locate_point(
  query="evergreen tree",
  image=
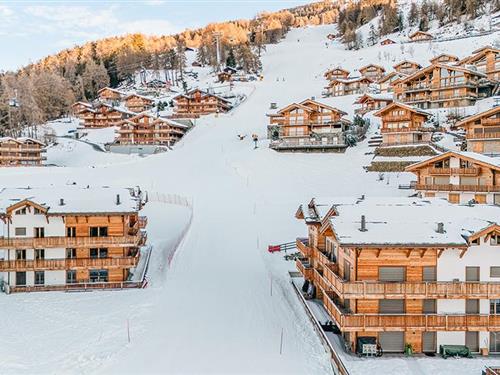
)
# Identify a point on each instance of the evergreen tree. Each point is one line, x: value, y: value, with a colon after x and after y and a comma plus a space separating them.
x: 231, y: 60
x: 413, y: 15
x: 372, y: 35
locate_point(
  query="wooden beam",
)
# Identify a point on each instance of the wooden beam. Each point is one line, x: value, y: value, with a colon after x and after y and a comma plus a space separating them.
x: 378, y: 252
x: 422, y: 252
x: 358, y: 252
x: 408, y: 253
x: 463, y: 252
x: 440, y: 252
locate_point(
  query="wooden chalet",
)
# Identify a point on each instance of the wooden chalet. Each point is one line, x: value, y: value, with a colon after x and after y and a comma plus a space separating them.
x: 104, y: 115
x: 308, y: 126
x: 227, y: 74
x: 21, y: 152
x: 372, y: 102
x: 146, y: 129
x: 444, y: 58
x: 483, y: 131
x: 71, y: 238
x: 372, y: 71
x: 443, y: 86
x: 110, y: 94
x: 138, y: 103
x: 350, y: 86
x: 486, y: 60
x: 420, y: 36
x: 407, y: 67
x: 459, y: 177
x: 78, y: 107
x: 386, y: 83
x: 387, y: 42
x: 404, y: 271
x: 336, y: 74
x: 403, y: 124
x: 198, y: 103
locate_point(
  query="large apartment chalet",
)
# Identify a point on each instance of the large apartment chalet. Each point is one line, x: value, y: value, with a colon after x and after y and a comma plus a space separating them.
x: 440, y: 85
x: 348, y: 86
x: 444, y: 58
x: 111, y: 95
x: 420, y: 36
x: 197, y: 103
x: 486, y: 60
x: 483, y: 131
x: 336, y: 73
x: 403, y: 124
x: 70, y: 238
x: 23, y: 151
x: 146, y: 129
x: 387, y: 82
x: 372, y: 102
x: 460, y: 177
x: 138, y: 103
x: 103, y: 115
x: 405, y: 271
x: 308, y: 126
x: 372, y: 72
x: 407, y: 67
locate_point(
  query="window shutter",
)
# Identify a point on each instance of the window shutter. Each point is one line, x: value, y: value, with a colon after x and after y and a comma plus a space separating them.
x: 495, y: 271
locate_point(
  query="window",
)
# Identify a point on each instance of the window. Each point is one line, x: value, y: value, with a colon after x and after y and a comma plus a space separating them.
x: 70, y: 231
x: 495, y: 240
x: 20, y: 231
x: 495, y: 271
x: 98, y: 276
x: 39, y: 232
x: 99, y: 253
x: 39, y: 254
x: 39, y: 277
x: 71, y: 253
x: 98, y: 231
x: 475, y: 241
x: 21, y: 211
x: 21, y: 278
x: 71, y: 277
x: 37, y: 211
x: 20, y: 254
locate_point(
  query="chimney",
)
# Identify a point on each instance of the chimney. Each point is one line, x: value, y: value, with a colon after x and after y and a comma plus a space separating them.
x: 61, y: 202
x: 440, y: 228
x: 117, y: 199
x: 363, y: 224
x: 313, y: 98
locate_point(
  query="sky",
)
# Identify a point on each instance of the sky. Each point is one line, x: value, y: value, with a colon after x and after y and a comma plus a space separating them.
x: 30, y: 30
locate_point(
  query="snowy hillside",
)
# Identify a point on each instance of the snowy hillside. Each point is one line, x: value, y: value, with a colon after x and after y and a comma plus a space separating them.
x: 211, y: 310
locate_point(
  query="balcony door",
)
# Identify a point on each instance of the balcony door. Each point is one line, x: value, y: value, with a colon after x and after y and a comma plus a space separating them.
x: 472, y: 341
x: 20, y: 278
x: 392, y: 274
x: 429, y: 342
x: 392, y: 342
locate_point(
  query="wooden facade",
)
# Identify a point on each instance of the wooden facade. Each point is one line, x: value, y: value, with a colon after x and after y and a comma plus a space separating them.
x: 308, y: 124
x: 62, y: 249
x: 351, y: 86
x: 483, y: 131
x: 138, y: 103
x: 17, y: 152
x: 420, y: 36
x: 78, y: 107
x: 444, y: 58
x: 386, y: 83
x: 387, y: 42
x: 336, y: 74
x: 403, y: 124
x: 460, y: 177
x: 443, y: 86
x: 145, y: 129
x: 198, y: 103
x: 407, y: 67
x: 372, y: 102
x: 486, y: 60
x: 379, y: 290
x: 372, y: 72
x: 110, y: 94
x: 103, y: 116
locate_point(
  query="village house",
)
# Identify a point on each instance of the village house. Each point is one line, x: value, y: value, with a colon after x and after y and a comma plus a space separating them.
x: 407, y: 67
x: 146, y: 129
x: 443, y: 86
x: 372, y: 102
x: 103, y: 115
x: 226, y: 75
x: 483, y: 131
x: 138, y: 103
x: 486, y: 60
x: 404, y: 271
x: 70, y: 238
x: 78, y: 107
x: 308, y: 126
x: 387, y: 82
x: 198, y: 103
x: 387, y: 41
x: 372, y: 72
x: 444, y: 58
x: 21, y: 152
x: 109, y: 94
x: 336, y: 74
x: 460, y: 177
x: 420, y: 36
x: 349, y: 86
x: 403, y: 124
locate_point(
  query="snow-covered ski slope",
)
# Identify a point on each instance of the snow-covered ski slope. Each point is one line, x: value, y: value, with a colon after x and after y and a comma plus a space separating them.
x: 212, y: 310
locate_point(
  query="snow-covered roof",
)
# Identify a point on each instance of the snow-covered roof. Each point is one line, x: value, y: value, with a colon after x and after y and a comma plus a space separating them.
x: 77, y: 200
x: 402, y: 105
x: 383, y: 97
x: 404, y: 221
x: 21, y: 140
x: 471, y: 156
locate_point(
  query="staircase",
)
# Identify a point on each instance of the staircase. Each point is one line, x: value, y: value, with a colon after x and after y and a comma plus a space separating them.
x: 375, y: 141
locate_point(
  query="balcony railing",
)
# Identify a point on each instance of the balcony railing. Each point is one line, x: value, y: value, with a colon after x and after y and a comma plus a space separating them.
x: 407, y: 130
x: 408, y: 322
x: 49, y: 242
x: 303, y: 247
x: 304, y: 268
x: 291, y: 143
x: 450, y: 187
x: 492, y: 135
x: 77, y: 286
x: 68, y: 264
x: 469, y: 171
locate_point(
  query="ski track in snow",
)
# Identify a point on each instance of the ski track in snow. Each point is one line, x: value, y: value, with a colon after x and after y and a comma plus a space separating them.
x: 212, y: 311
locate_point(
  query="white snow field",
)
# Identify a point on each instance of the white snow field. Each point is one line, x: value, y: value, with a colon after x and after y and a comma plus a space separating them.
x: 211, y: 310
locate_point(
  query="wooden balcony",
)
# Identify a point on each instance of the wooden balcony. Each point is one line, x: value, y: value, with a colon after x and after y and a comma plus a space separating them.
x: 407, y: 130
x: 450, y: 187
x: 490, y: 121
x: 349, y: 322
x: 77, y: 286
x: 407, y: 290
x: 304, y: 268
x: 68, y: 264
x: 50, y: 242
x: 302, y: 246
x: 454, y: 171
x: 321, y: 258
x: 489, y: 135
